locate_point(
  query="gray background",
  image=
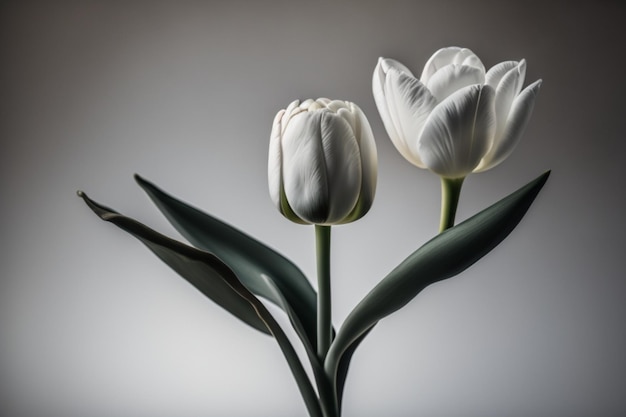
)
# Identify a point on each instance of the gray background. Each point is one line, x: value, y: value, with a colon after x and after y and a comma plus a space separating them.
x: 92, y: 324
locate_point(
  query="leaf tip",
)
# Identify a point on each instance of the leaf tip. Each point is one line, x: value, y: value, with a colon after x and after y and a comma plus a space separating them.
x: 100, y: 210
x: 143, y: 183
x: 541, y: 180
x: 85, y: 197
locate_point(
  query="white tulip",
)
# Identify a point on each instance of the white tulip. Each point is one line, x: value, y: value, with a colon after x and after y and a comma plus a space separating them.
x: 322, y: 162
x: 456, y: 119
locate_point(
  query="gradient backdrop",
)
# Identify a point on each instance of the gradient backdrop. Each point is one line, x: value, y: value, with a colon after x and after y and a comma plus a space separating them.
x: 184, y: 93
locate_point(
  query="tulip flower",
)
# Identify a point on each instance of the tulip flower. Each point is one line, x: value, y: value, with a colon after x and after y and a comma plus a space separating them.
x: 456, y: 119
x: 322, y: 162
x: 322, y: 170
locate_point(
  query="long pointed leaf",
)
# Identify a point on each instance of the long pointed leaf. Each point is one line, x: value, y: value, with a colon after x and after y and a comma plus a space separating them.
x: 445, y: 256
x: 202, y: 270
x: 250, y: 259
x: 217, y: 281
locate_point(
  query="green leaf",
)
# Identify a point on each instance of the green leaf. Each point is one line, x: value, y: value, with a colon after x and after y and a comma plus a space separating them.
x: 218, y: 282
x: 203, y: 270
x: 252, y: 261
x: 445, y: 256
x: 344, y: 364
x: 325, y: 390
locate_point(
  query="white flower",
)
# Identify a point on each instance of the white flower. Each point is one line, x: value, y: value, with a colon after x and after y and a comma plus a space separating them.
x: 456, y: 119
x: 322, y: 162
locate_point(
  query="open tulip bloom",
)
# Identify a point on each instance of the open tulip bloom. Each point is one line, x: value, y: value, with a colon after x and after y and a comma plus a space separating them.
x: 322, y: 171
x: 456, y: 118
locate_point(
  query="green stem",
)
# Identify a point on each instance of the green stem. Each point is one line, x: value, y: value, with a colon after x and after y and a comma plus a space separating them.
x: 450, y: 192
x: 324, y: 318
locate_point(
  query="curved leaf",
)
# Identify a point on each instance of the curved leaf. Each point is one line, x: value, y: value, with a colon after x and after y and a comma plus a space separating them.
x: 250, y: 259
x: 444, y: 256
x: 217, y: 281
x: 324, y: 389
x: 202, y: 270
x: 344, y: 365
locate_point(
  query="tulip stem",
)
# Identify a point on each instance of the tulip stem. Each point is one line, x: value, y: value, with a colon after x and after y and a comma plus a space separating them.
x: 324, y: 317
x: 450, y: 192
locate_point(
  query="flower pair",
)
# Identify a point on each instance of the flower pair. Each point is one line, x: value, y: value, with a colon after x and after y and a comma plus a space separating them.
x: 456, y: 119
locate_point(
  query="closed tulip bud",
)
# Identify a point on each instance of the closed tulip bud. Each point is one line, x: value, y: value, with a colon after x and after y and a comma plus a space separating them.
x: 322, y: 165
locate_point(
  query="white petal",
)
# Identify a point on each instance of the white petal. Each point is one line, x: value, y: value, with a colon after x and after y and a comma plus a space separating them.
x: 292, y: 106
x: 440, y: 58
x: 378, y: 89
x: 472, y: 60
x: 388, y: 64
x: 324, y: 102
x: 369, y: 164
x: 274, y: 165
x: 508, y: 88
x: 409, y: 103
x: 307, y: 103
x: 459, y: 132
x: 349, y: 116
x: 453, y: 77
x: 343, y: 166
x: 305, y: 184
x: 336, y: 105
x: 321, y: 166
x: 292, y: 109
x: 495, y: 73
x: 520, y: 113
x: 378, y: 80
x: 450, y: 55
